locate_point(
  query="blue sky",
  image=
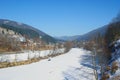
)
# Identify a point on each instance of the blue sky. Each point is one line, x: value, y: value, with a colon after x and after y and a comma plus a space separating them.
x: 61, y: 17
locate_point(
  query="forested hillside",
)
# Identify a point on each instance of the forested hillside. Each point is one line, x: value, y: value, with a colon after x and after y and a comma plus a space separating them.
x: 113, y: 32
x: 26, y: 30
x: 112, y: 35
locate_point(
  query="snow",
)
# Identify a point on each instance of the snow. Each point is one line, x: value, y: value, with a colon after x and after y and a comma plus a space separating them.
x: 5, y: 22
x: 74, y: 65
x: 116, y: 58
x: 117, y: 73
x: 31, y: 54
x: 19, y: 23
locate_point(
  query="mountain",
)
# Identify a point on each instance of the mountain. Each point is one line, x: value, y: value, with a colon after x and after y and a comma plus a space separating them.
x: 94, y: 33
x: 90, y: 35
x: 100, y: 31
x: 68, y: 38
x: 26, y: 30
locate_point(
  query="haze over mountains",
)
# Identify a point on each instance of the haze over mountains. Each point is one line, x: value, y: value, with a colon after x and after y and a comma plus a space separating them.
x: 68, y: 38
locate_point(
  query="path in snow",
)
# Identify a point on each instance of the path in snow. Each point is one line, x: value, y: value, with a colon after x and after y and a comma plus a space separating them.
x: 74, y: 65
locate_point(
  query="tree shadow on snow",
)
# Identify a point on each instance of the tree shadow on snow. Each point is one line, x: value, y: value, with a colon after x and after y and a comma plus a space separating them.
x: 84, y: 72
x: 78, y: 74
x: 86, y: 60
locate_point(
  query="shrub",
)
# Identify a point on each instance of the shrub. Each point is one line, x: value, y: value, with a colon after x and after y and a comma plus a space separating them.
x: 114, y: 67
x: 105, y: 76
x: 108, y: 68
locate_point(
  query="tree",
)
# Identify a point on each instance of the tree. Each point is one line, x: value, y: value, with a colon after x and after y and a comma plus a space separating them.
x: 68, y: 45
x: 3, y: 32
x: 112, y: 34
x: 94, y: 63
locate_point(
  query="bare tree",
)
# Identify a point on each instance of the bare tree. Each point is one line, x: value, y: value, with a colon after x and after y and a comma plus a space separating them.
x: 94, y: 63
x: 68, y: 45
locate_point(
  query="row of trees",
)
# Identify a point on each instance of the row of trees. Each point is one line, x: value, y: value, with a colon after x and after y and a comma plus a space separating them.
x: 112, y: 34
x: 104, y: 46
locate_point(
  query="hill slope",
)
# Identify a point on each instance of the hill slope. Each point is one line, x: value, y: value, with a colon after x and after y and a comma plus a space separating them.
x: 68, y: 38
x: 92, y: 34
x: 26, y: 30
x: 100, y: 31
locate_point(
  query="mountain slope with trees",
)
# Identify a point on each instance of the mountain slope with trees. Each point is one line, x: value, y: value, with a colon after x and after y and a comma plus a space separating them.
x: 26, y: 30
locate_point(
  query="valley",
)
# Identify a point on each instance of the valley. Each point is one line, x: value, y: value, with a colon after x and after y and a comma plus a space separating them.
x: 59, y: 40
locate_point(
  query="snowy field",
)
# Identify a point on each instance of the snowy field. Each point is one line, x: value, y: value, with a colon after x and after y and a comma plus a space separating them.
x: 74, y: 65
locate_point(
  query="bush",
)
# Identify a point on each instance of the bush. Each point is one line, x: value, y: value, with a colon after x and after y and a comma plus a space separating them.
x: 114, y: 67
x: 105, y: 76
x: 108, y: 68
x: 68, y: 46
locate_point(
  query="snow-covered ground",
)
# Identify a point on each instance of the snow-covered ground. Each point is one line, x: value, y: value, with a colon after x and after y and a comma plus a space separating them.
x: 115, y: 58
x: 74, y: 65
x: 29, y: 55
